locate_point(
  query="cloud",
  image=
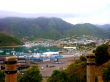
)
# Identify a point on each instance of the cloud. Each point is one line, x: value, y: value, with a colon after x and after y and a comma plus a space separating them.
x: 35, y: 15
x: 53, y: 6
x: 79, y: 11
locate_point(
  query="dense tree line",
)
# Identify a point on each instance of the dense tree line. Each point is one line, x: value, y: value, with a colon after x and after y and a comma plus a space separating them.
x: 32, y: 74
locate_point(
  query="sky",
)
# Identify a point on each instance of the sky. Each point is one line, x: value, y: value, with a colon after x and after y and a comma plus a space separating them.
x: 72, y: 11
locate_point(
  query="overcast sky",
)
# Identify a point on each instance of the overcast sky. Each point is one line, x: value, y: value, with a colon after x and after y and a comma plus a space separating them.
x: 73, y: 11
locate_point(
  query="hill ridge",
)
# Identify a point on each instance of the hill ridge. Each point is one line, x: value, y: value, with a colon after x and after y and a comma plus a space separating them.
x: 48, y: 28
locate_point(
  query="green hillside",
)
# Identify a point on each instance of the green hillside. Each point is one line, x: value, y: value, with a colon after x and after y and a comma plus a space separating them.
x: 87, y: 29
x: 53, y: 28
x: 49, y: 28
x: 6, y: 40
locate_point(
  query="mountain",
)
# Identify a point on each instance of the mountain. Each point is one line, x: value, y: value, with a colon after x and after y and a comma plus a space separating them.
x: 41, y: 27
x: 106, y: 29
x: 6, y: 40
x: 48, y: 28
x: 87, y: 29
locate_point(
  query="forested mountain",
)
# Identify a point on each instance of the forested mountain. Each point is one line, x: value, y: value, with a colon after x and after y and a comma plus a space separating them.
x: 51, y: 28
x: 106, y: 29
x: 88, y: 29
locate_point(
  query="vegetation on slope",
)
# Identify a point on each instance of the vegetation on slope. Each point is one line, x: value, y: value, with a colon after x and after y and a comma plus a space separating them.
x: 49, y: 28
x: 86, y: 29
x: 6, y: 40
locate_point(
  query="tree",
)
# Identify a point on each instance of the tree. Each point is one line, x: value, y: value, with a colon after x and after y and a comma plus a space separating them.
x: 58, y: 76
x: 31, y: 75
x: 106, y: 74
x: 101, y: 54
x: 83, y: 58
x: 77, y: 71
x: 2, y: 76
